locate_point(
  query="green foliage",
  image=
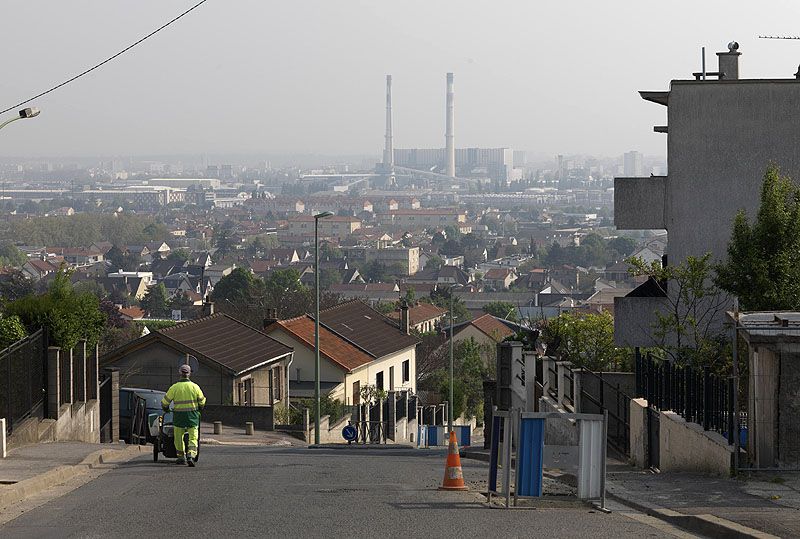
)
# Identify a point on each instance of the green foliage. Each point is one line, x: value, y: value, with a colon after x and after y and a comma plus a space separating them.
x: 238, y: 285
x: 434, y: 262
x: 179, y: 256
x: 69, y: 316
x: 502, y: 309
x: 327, y: 406
x: 11, y: 330
x: 370, y: 393
x: 287, y: 416
x: 11, y: 256
x: 584, y: 339
x: 156, y: 301
x: 687, y: 328
x: 328, y: 277
x: 441, y: 298
x: 374, y: 272
x: 15, y: 286
x: 763, y: 265
x: 469, y: 372
x: 83, y: 229
x: 623, y: 245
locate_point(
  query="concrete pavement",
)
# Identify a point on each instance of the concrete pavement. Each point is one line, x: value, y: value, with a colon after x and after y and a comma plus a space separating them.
x: 249, y: 491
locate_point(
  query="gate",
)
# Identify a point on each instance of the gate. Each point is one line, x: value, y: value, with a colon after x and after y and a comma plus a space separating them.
x: 653, y: 432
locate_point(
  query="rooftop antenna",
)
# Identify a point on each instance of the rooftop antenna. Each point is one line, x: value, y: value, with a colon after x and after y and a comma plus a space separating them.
x: 703, y: 53
x: 778, y: 37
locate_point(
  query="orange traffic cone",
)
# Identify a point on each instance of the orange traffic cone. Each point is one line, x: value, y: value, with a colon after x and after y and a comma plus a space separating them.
x: 453, y: 476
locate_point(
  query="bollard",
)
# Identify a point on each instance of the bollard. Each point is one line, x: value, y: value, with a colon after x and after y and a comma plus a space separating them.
x: 217, y: 427
x: 248, y: 428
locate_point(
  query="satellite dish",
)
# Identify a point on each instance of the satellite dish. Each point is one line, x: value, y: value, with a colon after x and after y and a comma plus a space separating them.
x: 192, y: 362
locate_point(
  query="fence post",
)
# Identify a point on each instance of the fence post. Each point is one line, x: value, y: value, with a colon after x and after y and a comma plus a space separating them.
x: 53, y: 381
x: 733, y: 431
x: 637, y: 368
x: 706, y: 396
x: 562, y: 370
x: 114, y: 404
x: 576, y: 390
x: 82, y: 372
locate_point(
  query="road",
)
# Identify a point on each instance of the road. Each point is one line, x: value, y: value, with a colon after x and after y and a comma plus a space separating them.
x: 252, y: 491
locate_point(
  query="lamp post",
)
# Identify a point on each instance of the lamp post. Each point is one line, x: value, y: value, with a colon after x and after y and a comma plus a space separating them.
x: 452, y: 381
x: 317, y: 217
x: 30, y: 112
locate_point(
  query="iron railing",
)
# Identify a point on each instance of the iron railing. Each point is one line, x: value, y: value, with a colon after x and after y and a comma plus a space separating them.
x: 23, y: 371
x: 610, y: 397
x: 695, y: 394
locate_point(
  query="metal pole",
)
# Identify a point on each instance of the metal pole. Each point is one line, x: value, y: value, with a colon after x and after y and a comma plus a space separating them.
x: 735, y: 388
x: 704, y: 63
x: 450, y: 402
x: 316, y: 331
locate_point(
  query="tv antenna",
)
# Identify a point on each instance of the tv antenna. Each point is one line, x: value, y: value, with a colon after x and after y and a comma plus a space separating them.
x: 778, y: 37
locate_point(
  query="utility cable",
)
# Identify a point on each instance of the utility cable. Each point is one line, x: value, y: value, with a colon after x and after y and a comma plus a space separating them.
x: 123, y: 51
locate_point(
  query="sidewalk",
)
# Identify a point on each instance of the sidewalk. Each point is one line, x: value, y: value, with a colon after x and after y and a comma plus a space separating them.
x: 768, y: 503
x: 236, y: 436
x: 34, y: 468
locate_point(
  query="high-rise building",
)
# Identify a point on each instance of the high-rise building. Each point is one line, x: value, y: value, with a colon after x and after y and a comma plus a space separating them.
x: 632, y: 165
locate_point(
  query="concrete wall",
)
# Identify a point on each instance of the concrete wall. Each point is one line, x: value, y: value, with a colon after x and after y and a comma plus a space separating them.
x: 261, y: 416
x: 683, y: 446
x: 558, y: 431
x: 632, y: 195
x: 634, y: 319
x: 686, y: 447
x: 79, y: 422
x: 155, y: 367
x: 638, y: 433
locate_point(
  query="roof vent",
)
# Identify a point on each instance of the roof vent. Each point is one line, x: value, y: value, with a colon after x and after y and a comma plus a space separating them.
x: 729, y: 62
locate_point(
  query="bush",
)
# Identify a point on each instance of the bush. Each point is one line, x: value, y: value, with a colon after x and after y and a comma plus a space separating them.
x: 287, y: 416
x: 11, y: 330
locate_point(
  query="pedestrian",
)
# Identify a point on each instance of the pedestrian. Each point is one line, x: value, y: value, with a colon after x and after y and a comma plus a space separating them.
x: 189, y: 400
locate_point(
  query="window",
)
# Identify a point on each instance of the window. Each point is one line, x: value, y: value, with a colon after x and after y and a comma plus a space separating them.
x: 379, y: 380
x: 407, y: 371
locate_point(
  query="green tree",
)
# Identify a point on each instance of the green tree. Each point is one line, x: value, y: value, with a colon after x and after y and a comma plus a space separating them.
x: 328, y: 277
x: 441, y: 298
x: 502, y: 309
x: 116, y: 257
x: 11, y: 330
x: 284, y: 292
x: 469, y: 372
x: 687, y: 327
x: 69, y: 316
x: 374, y: 272
x: 11, y: 256
x: 156, y: 301
x: 584, y: 339
x: 623, y: 245
x: 237, y: 286
x: 763, y: 264
x: 15, y: 286
x: 179, y: 256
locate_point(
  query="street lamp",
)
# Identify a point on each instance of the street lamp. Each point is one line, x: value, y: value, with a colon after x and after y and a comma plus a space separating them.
x: 452, y: 381
x: 30, y: 112
x: 317, y: 217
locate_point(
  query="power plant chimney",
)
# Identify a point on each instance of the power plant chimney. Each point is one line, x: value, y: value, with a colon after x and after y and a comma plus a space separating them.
x: 388, y: 150
x: 450, y: 148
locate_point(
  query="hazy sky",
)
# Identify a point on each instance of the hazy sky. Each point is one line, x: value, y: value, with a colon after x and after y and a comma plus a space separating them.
x: 252, y: 76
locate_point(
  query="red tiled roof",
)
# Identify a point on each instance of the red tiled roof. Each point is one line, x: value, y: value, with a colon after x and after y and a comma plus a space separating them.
x: 331, y: 345
x: 419, y: 313
x: 492, y: 327
x: 134, y: 313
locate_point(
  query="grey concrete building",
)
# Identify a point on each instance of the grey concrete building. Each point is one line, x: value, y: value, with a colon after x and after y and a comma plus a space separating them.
x: 722, y: 132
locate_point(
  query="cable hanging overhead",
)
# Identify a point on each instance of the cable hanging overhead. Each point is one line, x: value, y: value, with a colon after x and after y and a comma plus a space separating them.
x: 123, y: 51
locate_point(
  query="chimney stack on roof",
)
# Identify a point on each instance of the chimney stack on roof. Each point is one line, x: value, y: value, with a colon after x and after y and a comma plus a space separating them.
x: 729, y: 62
x: 271, y: 318
x: 405, y: 319
x: 208, y: 307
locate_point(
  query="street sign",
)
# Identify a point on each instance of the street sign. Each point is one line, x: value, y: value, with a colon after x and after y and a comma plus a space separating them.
x: 350, y: 433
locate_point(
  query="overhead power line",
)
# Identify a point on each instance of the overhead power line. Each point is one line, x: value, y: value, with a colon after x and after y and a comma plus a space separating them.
x: 120, y: 53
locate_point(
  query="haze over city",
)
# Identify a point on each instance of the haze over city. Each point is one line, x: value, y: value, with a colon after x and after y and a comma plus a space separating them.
x: 255, y: 77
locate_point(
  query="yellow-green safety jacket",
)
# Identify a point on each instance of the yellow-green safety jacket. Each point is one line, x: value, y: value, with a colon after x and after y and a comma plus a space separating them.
x: 188, y: 399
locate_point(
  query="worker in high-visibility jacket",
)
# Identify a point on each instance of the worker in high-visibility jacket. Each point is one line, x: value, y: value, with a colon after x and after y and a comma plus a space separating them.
x: 189, y: 400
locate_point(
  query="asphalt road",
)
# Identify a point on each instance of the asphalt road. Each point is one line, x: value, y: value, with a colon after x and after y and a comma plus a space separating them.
x: 239, y: 491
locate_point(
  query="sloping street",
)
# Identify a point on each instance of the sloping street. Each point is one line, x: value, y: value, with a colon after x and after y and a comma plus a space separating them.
x: 240, y: 491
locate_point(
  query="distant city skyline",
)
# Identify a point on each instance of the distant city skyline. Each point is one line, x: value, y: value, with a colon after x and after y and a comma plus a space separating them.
x: 308, y: 78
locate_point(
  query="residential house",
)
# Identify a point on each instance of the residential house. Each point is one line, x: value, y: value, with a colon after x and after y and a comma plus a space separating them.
x: 300, y: 229
x: 78, y: 257
x: 422, y: 317
x: 358, y: 347
x: 499, y: 278
x: 37, y: 269
x: 124, y: 286
x: 216, y: 272
x: 422, y: 218
x: 233, y: 362
x: 487, y: 331
x: 446, y: 275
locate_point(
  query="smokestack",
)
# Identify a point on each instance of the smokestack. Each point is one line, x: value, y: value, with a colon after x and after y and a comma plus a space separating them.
x: 729, y: 62
x: 405, y: 319
x: 450, y: 149
x: 388, y: 151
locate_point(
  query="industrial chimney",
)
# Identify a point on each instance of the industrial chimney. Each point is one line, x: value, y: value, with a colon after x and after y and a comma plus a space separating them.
x: 388, y: 151
x: 450, y: 149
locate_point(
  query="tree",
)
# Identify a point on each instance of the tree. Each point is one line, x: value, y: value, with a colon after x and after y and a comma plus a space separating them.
x: 441, y: 298
x: 68, y: 315
x: 469, y: 373
x: 687, y: 328
x: 623, y: 245
x: 584, y: 339
x: 155, y: 301
x: 116, y: 257
x: 237, y: 286
x: 11, y: 256
x: 15, y: 286
x: 502, y: 309
x: 763, y: 264
x: 374, y: 272
x: 435, y: 262
x: 179, y: 256
x: 11, y: 330
x: 328, y: 277
x: 284, y: 292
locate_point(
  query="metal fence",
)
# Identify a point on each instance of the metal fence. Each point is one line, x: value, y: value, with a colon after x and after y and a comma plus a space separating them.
x: 23, y: 390
x: 618, y: 404
x: 696, y: 394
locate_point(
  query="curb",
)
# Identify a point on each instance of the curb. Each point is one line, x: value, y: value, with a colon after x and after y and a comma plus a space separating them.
x: 708, y: 525
x: 61, y: 474
x: 705, y: 524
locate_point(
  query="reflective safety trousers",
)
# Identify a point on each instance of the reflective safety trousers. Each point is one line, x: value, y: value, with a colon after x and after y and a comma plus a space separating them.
x: 188, y: 399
